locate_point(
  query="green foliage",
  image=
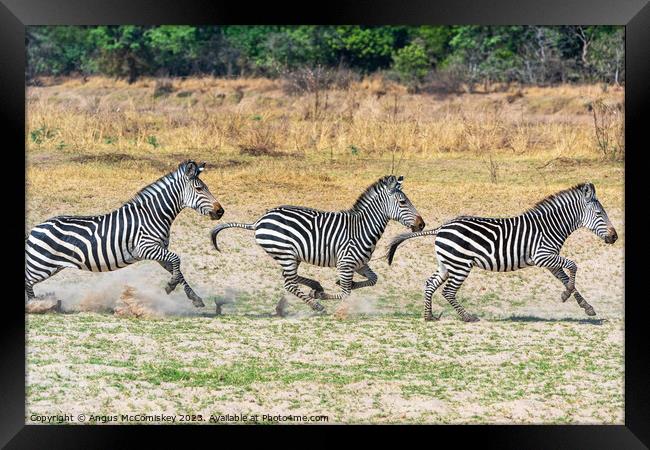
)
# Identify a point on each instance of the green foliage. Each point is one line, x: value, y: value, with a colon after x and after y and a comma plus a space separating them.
x: 460, y: 54
x: 173, y: 47
x: 435, y: 41
x: 368, y: 48
x: 124, y: 50
x: 607, y: 59
x: 411, y: 63
x: 151, y: 140
x: 58, y: 50
x: 41, y: 134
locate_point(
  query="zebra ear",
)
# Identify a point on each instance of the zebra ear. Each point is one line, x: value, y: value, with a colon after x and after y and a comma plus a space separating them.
x: 394, y: 183
x: 191, y: 170
x: 589, y: 191
x: 398, y: 183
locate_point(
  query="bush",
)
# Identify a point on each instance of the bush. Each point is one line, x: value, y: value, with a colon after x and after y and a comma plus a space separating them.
x: 163, y: 86
x: 609, y: 127
x: 308, y: 80
x: 411, y: 64
x: 448, y: 78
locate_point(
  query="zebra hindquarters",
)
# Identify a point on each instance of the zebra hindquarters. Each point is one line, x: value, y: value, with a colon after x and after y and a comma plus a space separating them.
x: 46, y: 255
x: 286, y: 256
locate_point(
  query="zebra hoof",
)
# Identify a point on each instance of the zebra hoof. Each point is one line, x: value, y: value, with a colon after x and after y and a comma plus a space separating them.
x: 589, y: 310
x: 470, y: 318
x: 196, y: 301
x: 317, y: 307
x: 565, y: 296
x: 169, y: 288
x: 431, y: 318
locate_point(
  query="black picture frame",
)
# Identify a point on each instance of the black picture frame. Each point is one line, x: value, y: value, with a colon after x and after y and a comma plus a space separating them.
x: 16, y: 14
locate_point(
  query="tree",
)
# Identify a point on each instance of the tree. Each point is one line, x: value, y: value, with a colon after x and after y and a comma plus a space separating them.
x: 366, y: 48
x: 489, y: 53
x: 467, y: 54
x: 607, y: 56
x: 59, y: 50
x: 124, y: 51
x: 412, y: 64
x: 435, y: 40
x: 173, y: 48
x: 541, y: 61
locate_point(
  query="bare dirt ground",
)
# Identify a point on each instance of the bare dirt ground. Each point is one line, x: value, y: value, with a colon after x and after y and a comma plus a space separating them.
x: 122, y: 346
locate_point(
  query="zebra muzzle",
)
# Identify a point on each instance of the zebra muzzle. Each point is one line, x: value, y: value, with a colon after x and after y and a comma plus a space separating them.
x: 418, y: 224
x: 216, y: 212
x: 612, y: 236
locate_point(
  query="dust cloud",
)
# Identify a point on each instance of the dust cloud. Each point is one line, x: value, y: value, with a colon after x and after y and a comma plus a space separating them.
x: 135, y: 291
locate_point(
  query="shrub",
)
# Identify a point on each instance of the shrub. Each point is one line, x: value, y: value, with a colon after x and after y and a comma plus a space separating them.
x: 411, y: 64
x: 609, y: 127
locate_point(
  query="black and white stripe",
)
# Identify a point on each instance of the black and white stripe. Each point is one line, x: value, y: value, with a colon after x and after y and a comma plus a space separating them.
x: 137, y: 230
x: 533, y: 238
x: 345, y: 239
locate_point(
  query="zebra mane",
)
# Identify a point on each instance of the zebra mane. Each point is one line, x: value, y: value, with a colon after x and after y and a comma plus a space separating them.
x: 550, y: 200
x: 372, y: 190
x: 138, y: 195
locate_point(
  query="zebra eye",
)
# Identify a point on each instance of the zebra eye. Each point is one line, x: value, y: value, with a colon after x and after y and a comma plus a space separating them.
x: 199, y: 188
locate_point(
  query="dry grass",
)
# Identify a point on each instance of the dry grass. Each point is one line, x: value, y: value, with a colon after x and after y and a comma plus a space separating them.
x: 218, y: 117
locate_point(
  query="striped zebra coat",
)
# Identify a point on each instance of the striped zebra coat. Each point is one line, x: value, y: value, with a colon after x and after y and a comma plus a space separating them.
x: 533, y: 238
x: 344, y: 239
x: 136, y: 231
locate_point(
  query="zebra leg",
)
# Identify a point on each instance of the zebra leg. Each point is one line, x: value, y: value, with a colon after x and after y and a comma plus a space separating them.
x: 449, y: 292
x: 365, y: 271
x: 290, y: 274
x: 291, y: 285
x: 554, y: 261
x: 371, y: 278
x: 32, y: 277
x: 29, y: 290
x: 189, y: 292
x: 166, y: 258
x: 315, y: 285
x: 430, y: 287
x: 167, y: 266
x: 345, y: 281
x: 564, y: 278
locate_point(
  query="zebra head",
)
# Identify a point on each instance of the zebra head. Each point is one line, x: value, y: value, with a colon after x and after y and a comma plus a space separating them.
x: 400, y: 208
x: 594, y: 217
x: 196, y: 194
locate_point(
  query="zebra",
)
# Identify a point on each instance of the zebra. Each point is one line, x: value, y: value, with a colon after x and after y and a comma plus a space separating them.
x: 344, y: 239
x: 533, y: 238
x: 136, y: 231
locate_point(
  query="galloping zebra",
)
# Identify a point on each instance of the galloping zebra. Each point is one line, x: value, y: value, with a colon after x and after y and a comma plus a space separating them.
x: 345, y: 239
x: 137, y: 230
x: 533, y: 238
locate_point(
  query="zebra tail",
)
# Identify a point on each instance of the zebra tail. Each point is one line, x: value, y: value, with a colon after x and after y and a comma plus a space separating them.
x: 392, y: 248
x: 223, y: 226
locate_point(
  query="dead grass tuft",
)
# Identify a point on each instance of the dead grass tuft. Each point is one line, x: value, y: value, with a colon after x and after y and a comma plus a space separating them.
x: 131, y: 304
